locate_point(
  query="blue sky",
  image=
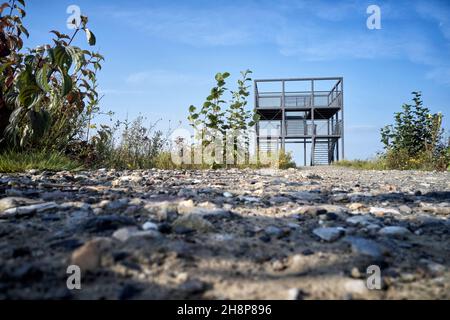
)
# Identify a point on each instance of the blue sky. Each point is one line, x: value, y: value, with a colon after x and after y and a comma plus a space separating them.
x: 161, y: 56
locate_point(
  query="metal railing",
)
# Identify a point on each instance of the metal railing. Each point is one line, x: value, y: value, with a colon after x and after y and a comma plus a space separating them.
x: 294, y: 100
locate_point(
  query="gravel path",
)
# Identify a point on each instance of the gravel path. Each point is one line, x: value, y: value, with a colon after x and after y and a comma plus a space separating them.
x: 226, y: 234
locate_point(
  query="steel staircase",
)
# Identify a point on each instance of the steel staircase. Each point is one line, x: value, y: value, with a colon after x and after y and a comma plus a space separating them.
x: 323, y: 151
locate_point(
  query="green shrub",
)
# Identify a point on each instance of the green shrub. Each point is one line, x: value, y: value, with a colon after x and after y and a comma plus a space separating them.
x: 415, y: 140
x: 285, y: 160
x: 48, y: 95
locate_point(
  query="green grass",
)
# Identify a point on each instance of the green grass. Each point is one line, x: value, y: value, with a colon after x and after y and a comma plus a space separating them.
x: 373, y: 164
x: 11, y: 162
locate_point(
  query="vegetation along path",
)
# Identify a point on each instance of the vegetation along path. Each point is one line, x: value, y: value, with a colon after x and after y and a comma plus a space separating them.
x: 214, y: 234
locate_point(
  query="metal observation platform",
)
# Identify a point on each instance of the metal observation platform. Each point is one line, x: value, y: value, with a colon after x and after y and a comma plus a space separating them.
x: 306, y: 111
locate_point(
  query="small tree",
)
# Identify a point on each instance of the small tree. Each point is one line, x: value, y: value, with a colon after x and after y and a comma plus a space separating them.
x: 215, y: 117
x: 416, y: 137
x: 210, y: 119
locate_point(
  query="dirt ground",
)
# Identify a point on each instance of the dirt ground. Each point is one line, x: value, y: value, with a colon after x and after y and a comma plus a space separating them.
x: 225, y: 234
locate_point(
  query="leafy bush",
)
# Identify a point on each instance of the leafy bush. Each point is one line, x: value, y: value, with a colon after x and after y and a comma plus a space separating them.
x: 47, y: 94
x: 285, y: 160
x: 415, y: 141
x: 139, y: 147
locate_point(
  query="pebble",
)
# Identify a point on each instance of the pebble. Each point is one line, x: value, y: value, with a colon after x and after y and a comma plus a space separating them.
x: 379, y: 212
x: 29, y: 209
x: 329, y: 234
x: 125, y: 234
x: 365, y: 247
x: 394, y: 231
x: 89, y: 256
x: 149, y: 226
x: 194, y: 222
x: 13, y: 202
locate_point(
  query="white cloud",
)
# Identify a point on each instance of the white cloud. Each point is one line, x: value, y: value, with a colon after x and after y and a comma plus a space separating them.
x: 311, y: 30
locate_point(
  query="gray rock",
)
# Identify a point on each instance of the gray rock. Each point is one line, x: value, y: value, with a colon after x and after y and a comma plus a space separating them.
x: 194, y: 222
x: 363, y: 220
x: 149, y: 226
x: 117, y: 204
x: 365, y: 247
x: 311, y: 210
x: 13, y: 202
x: 125, y: 234
x: 306, y: 196
x: 394, y: 231
x: 329, y: 234
x: 377, y: 211
x: 274, y: 231
x: 31, y: 209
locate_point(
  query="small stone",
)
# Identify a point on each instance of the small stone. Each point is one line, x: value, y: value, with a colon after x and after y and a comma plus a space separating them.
x: 274, y: 231
x: 341, y: 197
x: 306, y: 196
x: 28, y: 210
x: 149, y: 226
x: 194, y: 222
x: 185, y: 207
x: 357, y: 287
x: 360, y: 220
x: 355, y: 206
x: 436, y: 269
x: 117, y: 204
x: 329, y: 234
x: 89, y: 256
x: 394, y: 231
x: 13, y: 202
x: 125, y: 234
x: 405, y: 209
x: 355, y: 273
x: 312, y: 210
x: 296, y: 294
x: 228, y: 195
x: 379, y: 212
x: 365, y: 247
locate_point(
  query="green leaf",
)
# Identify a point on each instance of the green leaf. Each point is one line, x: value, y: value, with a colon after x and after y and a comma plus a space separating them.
x: 61, y: 57
x: 192, y: 109
x: 42, y: 78
x: 66, y: 84
x: 4, y: 66
x: 90, y: 37
x: 28, y: 94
